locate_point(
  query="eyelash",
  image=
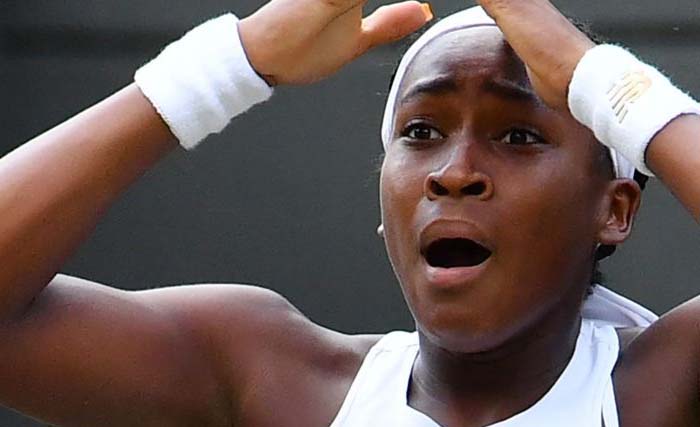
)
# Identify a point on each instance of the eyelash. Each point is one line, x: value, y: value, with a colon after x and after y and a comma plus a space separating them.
x: 406, y: 132
x: 531, y: 137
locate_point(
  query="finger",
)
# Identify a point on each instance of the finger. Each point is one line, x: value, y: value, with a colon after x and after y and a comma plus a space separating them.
x: 393, y: 22
x: 535, y: 28
x: 541, y: 36
x: 327, y: 10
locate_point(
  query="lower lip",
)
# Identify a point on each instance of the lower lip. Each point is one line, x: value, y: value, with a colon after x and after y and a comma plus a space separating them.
x: 456, y: 276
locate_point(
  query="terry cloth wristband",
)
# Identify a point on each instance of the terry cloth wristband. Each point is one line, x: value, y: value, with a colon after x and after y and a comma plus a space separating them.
x: 200, y: 82
x: 624, y: 101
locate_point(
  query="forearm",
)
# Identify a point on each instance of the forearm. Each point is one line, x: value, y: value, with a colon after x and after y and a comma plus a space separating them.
x: 674, y: 156
x: 55, y: 188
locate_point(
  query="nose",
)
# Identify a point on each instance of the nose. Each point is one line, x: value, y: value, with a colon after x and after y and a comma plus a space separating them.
x: 459, y: 178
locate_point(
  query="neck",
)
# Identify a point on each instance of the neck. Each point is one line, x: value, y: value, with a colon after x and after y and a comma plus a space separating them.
x: 489, y: 386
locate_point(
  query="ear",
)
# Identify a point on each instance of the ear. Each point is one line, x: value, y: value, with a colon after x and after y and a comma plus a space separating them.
x: 618, y: 210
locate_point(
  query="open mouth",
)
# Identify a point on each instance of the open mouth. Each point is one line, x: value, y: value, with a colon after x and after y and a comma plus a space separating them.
x: 451, y: 253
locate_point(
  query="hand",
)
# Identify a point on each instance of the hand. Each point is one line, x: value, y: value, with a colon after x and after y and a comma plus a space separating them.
x: 302, y: 41
x: 545, y: 40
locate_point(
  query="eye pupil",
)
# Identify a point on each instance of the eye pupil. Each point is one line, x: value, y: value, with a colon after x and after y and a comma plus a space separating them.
x: 518, y: 137
x: 422, y: 133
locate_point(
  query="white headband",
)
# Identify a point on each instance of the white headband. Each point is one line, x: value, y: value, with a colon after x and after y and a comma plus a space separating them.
x: 469, y: 18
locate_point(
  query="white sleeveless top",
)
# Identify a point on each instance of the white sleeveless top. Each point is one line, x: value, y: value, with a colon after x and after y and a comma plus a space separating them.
x: 582, y: 396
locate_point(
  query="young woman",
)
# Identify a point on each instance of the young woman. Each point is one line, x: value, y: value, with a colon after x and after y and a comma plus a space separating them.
x: 495, y: 202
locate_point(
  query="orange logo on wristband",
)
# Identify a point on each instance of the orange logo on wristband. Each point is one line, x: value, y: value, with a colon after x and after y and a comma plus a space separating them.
x: 628, y: 90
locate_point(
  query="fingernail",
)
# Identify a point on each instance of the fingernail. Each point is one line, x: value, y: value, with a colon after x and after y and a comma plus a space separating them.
x: 427, y: 11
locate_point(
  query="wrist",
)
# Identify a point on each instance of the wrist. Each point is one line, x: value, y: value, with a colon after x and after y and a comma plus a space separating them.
x: 200, y: 82
x: 624, y: 101
x: 248, y: 34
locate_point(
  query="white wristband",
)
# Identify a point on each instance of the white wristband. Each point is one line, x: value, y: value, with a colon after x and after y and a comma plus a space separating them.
x: 200, y: 82
x: 624, y: 101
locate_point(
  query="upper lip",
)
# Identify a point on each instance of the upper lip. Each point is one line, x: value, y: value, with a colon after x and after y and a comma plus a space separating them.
x: 452, y: 229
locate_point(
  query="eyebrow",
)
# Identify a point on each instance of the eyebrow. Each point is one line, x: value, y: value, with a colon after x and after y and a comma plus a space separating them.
x: 509, y: 89
x: 437, y: 86
x: 501, y: 87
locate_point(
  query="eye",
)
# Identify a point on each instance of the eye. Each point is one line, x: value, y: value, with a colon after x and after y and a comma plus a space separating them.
x: 420, y: 131
x: 521, y: 137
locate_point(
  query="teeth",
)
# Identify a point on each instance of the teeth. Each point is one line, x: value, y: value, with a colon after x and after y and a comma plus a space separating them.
x: 448, y: 253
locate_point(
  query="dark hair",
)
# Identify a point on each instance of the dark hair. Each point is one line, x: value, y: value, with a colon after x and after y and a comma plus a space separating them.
x: 603, y: 251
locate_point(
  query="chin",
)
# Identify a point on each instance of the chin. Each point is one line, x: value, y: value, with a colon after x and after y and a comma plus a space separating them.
x: 485, y: 328
x: 469, y: 332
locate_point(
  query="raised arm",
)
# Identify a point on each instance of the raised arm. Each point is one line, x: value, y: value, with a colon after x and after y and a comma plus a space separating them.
x: 674, y: 156
x: 74, y: 172
x: 552, y: 47
x: 77, y: 353
x: 666, y: 355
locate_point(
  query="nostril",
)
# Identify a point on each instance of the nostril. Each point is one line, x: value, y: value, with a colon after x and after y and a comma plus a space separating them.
x: 475, y: 189
x: 438, y: 189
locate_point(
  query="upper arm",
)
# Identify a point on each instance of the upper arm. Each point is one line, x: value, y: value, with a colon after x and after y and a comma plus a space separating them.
x: 87, y: 354
x: 272, y: 359
x: 658, y: 374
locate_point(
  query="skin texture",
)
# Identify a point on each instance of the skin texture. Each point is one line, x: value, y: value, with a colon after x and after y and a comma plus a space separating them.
x: 476, y: 153
x: 333, y: 34
x: 472, y: 124
x: 71, y: 351
x: 221, y: 355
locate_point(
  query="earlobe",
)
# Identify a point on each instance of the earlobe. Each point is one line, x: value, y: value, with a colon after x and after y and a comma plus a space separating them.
x: 618, y: 212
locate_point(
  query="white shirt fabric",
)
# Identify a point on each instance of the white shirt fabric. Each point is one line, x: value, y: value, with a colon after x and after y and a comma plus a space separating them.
x: 582, y: 396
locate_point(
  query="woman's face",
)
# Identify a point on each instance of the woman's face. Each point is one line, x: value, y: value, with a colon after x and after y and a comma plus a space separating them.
x: 491, y: 201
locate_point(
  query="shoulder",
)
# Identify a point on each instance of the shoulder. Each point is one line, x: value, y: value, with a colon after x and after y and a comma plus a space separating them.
x: 656, y: 377
x: 266, y: 351
x: 242, y: 352
x: 675, y: 336
x: 248, y: 321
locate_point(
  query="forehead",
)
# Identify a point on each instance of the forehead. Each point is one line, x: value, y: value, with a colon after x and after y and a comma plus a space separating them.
x: 466, y: 56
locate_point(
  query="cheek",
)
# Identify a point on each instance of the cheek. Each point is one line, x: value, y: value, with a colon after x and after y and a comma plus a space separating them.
x: 401, y: 190
x: 557, y: 191
x: 554, y: 217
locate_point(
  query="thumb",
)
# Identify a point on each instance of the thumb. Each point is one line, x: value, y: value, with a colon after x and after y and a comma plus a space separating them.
x: 394, y: 22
